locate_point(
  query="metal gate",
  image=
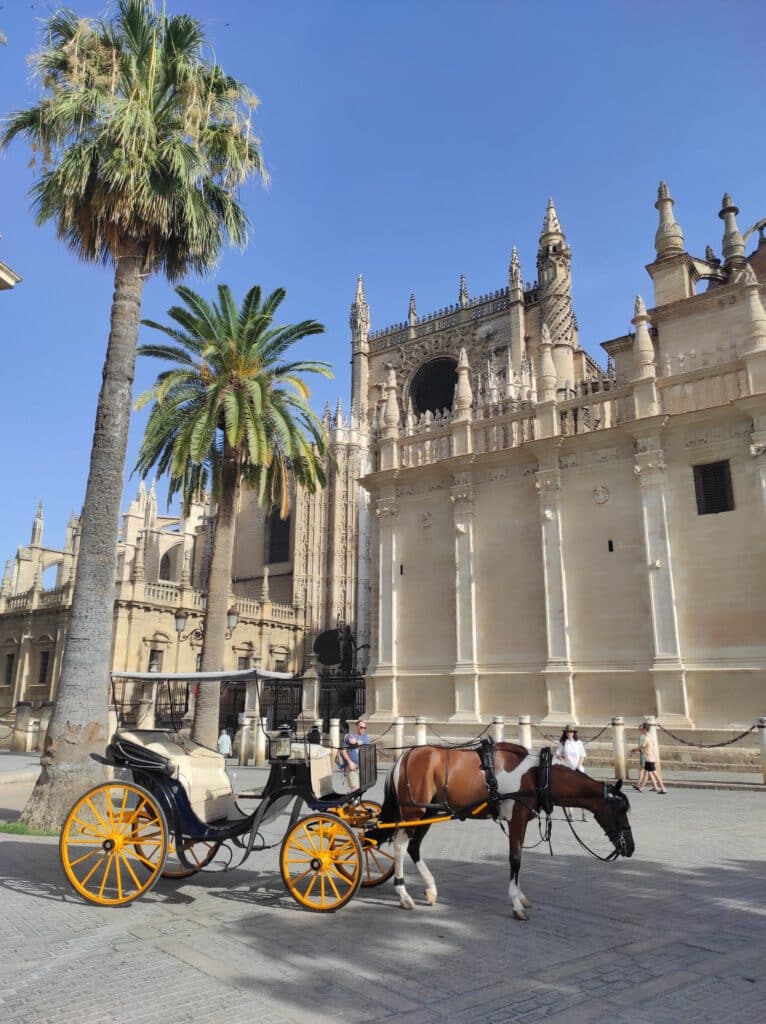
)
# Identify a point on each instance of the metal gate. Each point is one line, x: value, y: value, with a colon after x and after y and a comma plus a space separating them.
x: 281, y: 701
x: 341, y: 697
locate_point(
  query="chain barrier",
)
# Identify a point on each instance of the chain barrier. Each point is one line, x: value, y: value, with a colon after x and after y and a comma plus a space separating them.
x: 707, y: 746
x: 550, y: 739
x: 590, y: 739
x: 7, y: 734
x: 457, y: 746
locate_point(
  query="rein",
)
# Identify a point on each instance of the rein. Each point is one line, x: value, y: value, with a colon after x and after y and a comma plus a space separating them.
x: 609, y: 857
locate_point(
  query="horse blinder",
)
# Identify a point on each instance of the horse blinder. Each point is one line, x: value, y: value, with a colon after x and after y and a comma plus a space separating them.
x: 621, y: 837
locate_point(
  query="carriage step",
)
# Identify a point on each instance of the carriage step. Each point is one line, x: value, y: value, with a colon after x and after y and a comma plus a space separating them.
x: 250, y: 794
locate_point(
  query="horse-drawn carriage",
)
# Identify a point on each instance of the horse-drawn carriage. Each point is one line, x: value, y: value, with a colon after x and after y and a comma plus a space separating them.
x: 172, y: 812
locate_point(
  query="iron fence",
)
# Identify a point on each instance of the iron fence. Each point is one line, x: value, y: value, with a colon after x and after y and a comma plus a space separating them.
x: 341, y: 697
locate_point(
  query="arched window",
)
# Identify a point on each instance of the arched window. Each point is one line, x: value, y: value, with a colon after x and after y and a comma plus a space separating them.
x: 165, y: 567
x: 278, y: 538
x: 433, y: 388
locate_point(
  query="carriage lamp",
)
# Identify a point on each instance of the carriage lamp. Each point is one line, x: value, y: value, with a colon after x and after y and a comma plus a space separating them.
x: 283, y: 744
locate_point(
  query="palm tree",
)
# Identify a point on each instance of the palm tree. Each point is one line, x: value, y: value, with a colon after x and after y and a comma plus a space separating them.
x: 144, y: 144
x: 232, y: 412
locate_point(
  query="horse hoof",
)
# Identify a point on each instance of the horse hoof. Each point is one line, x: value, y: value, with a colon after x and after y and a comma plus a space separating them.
x: 407, y: 904
x: 431, y: 896
x: 520, y: 915
x: 526, y: 903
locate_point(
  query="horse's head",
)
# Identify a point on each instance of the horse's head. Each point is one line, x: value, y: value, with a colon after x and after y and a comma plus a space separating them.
x: 612, y: 815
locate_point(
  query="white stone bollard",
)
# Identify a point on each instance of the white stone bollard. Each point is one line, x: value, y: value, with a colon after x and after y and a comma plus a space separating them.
x: 651, y: 721
x: 243, y: 734
x: 261, y: 743
x: 618, y: 746
x: 335, y: 735
x: 497, y: 728
x: 145, y: 713
x: 254, y: 727
x: 22, y: 727
x: 420, y: 731
x: 398, y: 736
x: 762, y: 742
x: 525, y: 731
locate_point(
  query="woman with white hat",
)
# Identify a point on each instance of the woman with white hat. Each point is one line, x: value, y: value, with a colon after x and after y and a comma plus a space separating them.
x: 571, y: 752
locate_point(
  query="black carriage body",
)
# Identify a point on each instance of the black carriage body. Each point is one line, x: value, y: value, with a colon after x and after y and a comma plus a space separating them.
x: 289, y: 781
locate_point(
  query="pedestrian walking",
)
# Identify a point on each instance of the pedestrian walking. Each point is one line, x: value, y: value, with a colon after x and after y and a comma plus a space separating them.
x: 647, y: 751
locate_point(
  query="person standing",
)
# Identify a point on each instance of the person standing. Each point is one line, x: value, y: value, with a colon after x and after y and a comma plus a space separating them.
x: 571, y: 752
x: 350, y: 753
x: 224, y: 744
x: 647, y: 745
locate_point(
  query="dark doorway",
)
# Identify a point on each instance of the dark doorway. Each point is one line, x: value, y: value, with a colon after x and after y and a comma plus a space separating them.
x: 433, y: 388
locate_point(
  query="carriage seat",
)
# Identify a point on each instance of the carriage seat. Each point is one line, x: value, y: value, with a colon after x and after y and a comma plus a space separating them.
x: 320, y: 767
x: 201, y: 771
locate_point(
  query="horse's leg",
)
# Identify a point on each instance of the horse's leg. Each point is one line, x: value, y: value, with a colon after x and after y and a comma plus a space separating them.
x: 516, y: 832
x: 414, y: 851
x: 400, y: 848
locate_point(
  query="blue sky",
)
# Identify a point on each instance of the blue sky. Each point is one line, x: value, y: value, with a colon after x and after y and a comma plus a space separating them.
x: 411, y: 142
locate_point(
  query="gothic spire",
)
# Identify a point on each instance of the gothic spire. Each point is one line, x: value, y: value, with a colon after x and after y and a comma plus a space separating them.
x: 669, y: 239
x: 643, y: 345
x: 412, y: 314
x: 515, y: 283
x: 547, y: 373
x: 551, y: 225
x: 359, y: 319
x: 37, y: 526
x: 463, y: 393
x: 463, y: 295
x: 733, y: 244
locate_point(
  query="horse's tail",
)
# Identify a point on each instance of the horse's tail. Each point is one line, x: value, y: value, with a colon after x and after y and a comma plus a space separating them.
x: 389, y: 812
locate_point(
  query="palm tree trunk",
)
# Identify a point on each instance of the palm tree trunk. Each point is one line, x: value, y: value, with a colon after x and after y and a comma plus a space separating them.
x: 207, y: 708
x: 79, y: 721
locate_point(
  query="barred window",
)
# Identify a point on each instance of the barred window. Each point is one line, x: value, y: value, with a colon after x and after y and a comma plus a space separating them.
x: 42, y: 674
x: 712, y: 486
x: 155, y: 659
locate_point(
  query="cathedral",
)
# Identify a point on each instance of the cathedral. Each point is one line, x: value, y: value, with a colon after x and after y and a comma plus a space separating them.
x: 507, y: 528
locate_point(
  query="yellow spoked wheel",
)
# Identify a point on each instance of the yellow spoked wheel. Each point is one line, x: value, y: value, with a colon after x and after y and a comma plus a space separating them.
x: 377, y: 862
x: 114, y: 843
x: 321, y: 862
x: 198, y: 852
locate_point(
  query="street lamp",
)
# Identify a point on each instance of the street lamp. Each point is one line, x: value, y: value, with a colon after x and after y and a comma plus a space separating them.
x: 182, y: 617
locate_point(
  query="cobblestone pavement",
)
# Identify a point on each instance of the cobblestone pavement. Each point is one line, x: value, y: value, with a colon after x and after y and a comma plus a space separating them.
x: 676, y: 933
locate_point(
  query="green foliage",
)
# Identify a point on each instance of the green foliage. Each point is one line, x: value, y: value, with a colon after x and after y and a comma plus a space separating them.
x: 140, y: 137
x: 233, y: 395
x: 18, y: 828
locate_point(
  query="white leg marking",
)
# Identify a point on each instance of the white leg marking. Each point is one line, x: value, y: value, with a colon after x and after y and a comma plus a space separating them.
x: 429, y: 881
x: 400, y: 848
x: 515, y: 898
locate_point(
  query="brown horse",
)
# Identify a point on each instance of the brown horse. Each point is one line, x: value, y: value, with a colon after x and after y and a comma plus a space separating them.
x: 428, y: 781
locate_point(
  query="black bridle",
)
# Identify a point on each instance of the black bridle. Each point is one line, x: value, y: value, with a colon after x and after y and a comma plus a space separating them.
x: 618, y: 836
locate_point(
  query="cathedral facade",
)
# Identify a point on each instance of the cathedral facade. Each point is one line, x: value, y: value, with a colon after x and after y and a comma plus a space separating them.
x: 508, y: 528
